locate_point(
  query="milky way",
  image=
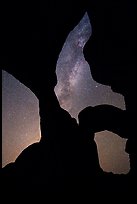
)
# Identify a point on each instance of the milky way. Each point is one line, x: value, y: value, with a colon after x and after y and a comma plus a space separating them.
x: 70, y: 66
x: 75, y: 90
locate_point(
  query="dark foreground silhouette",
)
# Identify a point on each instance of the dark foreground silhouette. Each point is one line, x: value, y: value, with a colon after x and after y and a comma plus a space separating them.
x: 66, y: 158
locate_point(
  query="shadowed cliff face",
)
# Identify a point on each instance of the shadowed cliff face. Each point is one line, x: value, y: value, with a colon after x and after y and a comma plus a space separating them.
x: 33, y: 35
x: 32, y: 38
x: 32, y: 41
x: 111, y: 51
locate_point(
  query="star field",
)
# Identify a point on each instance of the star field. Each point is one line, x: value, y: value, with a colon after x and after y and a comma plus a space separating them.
x: 20, y: 118
x: 75, y: 90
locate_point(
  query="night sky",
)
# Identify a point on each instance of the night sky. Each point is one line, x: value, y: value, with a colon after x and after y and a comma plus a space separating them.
x: 75, y: 90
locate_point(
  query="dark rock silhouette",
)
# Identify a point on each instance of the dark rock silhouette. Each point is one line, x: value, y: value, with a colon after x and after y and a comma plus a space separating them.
x: 111, y: 52
x: 96, y: 119
x: 31, y: 43
x: 104, y: 117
